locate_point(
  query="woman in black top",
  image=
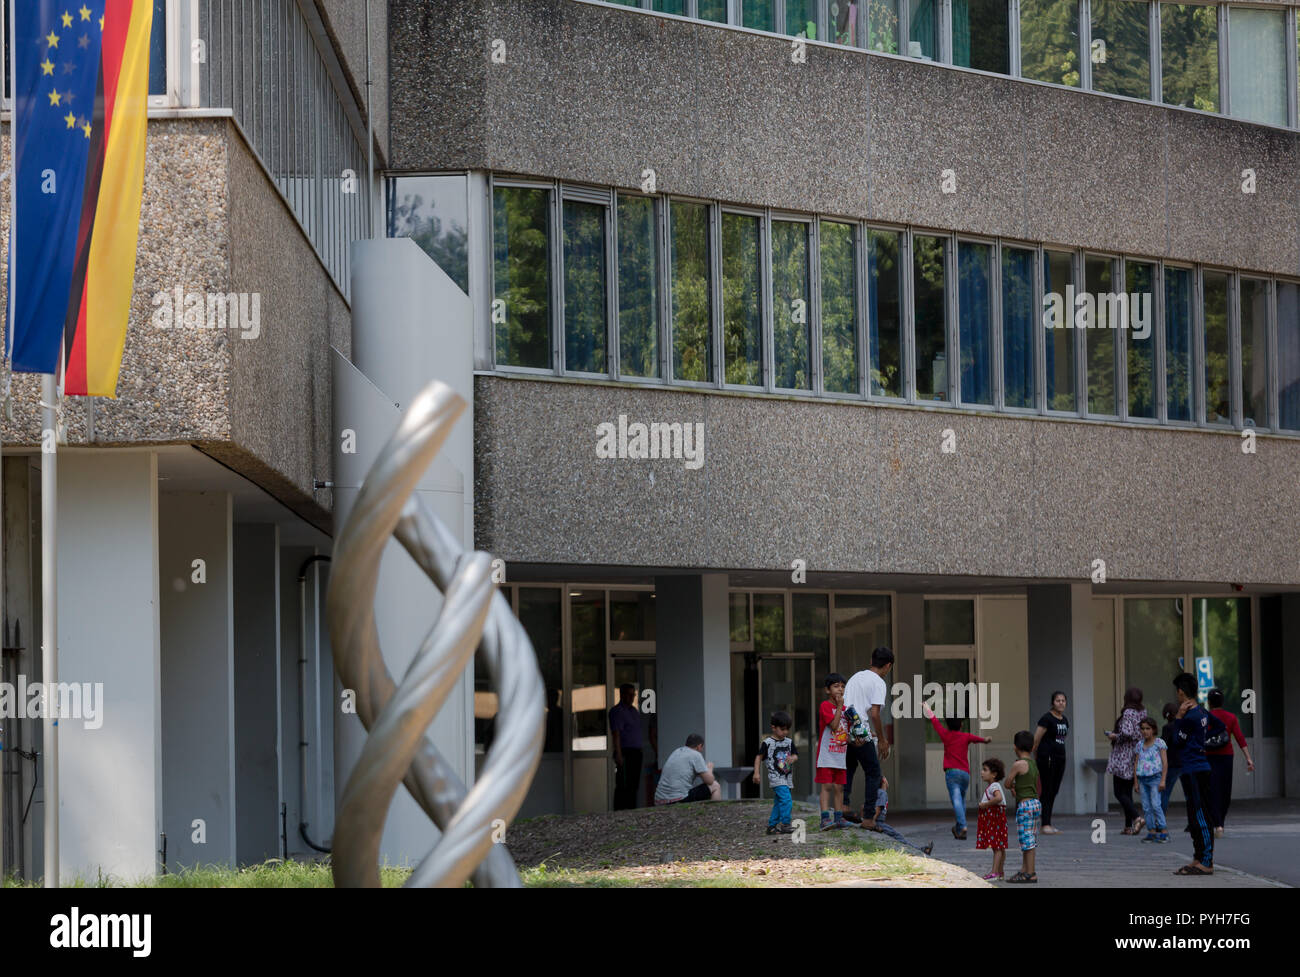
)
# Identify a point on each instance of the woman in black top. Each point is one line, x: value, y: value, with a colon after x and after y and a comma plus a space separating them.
x: 1049, y: 745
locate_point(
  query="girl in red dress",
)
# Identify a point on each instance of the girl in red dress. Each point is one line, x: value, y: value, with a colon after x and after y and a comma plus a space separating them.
x: 991, y: 829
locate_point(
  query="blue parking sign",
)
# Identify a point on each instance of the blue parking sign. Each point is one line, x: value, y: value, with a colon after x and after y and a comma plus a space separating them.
x: 1204, y: 676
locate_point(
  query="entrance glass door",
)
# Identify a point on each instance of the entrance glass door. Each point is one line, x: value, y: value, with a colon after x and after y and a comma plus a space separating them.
x: 786, y: 684
x: 638, y: 671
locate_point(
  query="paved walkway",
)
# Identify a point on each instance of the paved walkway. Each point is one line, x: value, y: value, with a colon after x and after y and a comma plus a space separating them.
x: 1260, y: 849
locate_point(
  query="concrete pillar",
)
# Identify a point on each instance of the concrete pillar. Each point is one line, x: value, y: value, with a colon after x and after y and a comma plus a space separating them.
x: 410, y: 324
x: 1290, y: 694
x: 1060, y: 657
x: 909, y: 734
x: 257, y: 684
x: 198, y: 676
x: 110, y: 778
x: 693, y: 663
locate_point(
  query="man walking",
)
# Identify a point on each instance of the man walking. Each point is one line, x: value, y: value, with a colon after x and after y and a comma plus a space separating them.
x: 1191, y: 723
x: 625, y: 726
x: 864, y: 696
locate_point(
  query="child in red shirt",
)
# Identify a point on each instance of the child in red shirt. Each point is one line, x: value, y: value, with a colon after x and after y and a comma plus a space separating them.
x: 832, y: 753
x: 956, y: 768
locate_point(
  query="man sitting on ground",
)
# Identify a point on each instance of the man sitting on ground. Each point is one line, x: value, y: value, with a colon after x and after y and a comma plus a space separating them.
x: 677, y: 781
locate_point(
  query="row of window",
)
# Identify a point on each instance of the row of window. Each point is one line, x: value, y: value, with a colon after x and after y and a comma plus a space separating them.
x: 623, y: 286
x: 1237, y: 59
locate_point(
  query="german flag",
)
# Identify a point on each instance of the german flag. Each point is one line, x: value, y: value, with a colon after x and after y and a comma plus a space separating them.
x: 81, y: 71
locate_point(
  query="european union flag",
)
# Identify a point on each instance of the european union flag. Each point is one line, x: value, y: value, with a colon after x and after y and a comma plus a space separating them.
x: 56, y: 53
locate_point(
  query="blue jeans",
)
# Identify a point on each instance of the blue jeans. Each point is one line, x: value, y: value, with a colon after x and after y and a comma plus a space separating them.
x: 889, y: 830
x: 1174, y: 773
x: 958, y: 782
x: 1151, y: 805
x: 782, y: 806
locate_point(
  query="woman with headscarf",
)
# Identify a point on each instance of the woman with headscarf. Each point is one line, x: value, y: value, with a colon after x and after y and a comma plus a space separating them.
x: 1124, y: 739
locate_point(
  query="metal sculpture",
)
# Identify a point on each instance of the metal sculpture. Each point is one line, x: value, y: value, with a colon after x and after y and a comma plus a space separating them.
x: 474, y: 615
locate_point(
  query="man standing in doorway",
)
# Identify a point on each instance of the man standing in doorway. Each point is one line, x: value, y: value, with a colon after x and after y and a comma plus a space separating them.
x: 865, y: 694
x: 625, y: 726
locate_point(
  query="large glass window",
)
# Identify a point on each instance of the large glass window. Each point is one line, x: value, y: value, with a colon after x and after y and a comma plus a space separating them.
x: 1049, y: 41
x: 885, y: 291
x: 1179, y: 369
x: 586, y: 310
x: 843, y: 23
x: 587, y: 619
x: 975, y: 321
x: 863, y: 623
x: 433, y: 211
x: 882, y: 22
x: 1105, y: 307
x: 1218, y: 389
x: 839, y: 308
x: 1221, y: 631
x: 769, y: 622
x: 1058, y: 321
x: 1121, y: 47
x: 714, y: 10
x: 929, y: 311
x: 689, y: 235
x: 923, y: 33
x: 1288, y: 356
x: 1140, y: 282
x: 981, y: 35
x: 1257, y: 64
x: 638, y: 288
x: 539, y: 613
x: 1153, y: 647
x: 1254, y: 352
x: 1018, y: 327
x: 801, y: 18
x: 812, y: 632
x: 521, y: 306
x: 758, y: 14
x: 949, y: 621
x: 1189, y: 55
x: 670, y: 7
x: 631, y: 615
x: 791, y: 306
x: 742, y: 309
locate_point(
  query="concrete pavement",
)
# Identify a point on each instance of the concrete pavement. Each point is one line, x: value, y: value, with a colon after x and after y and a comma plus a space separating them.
x: 1260, y: 849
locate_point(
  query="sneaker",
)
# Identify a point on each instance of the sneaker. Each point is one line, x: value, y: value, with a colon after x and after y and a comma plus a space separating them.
x: 1163, y: 838
x: 771, y: 829
x: 785, y: 829
x: 851, y: 816
x: 827, y: 824
x: 1151, y: 836
x: 928, y: 848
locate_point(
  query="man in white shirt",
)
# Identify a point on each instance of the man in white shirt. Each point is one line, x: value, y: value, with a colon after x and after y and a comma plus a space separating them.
x: 865, y: 693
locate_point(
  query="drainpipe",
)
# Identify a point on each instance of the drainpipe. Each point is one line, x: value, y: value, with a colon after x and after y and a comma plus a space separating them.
x: 302, y: 701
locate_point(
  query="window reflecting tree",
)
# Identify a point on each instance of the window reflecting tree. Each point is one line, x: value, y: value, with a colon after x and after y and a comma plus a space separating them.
x: 521, y: 307
x: 1189, y: 55
x: 690, y: 292
x: 742, y: 315
x: 1049, y: 41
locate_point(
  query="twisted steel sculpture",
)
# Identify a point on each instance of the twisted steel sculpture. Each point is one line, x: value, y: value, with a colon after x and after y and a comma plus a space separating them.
x: 474, y: 615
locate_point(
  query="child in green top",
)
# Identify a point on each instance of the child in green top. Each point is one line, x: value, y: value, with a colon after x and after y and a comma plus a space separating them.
x: 1023, y: 779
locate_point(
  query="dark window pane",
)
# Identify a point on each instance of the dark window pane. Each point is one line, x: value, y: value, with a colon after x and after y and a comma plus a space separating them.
x: 1217, y: 388
x: 586, y: 311
x: 1058, y: 321
x: 758, y: 14
x: 670, y: 7
x: 1221, y: 632
x: 1018, y: 327
x: 739, y: 605
x: 769, y: 622
x: 1288, y: 355
x: 885, y: 289
x: 742, y: 310
x: 638, y: 288
x: 521, y: 307
x: 791, y: 319
x: 1153, y: 645
x: 1104, y: 308
x: 975, y: 310
x: 587, y: 619
x: 690, y: 292
x: 1189, y: 55
x: 1254, y: 352
x: 1178, y: 343
x: 631, y: 615
x: 539, y: 613
x: 1121, y: 48
x: 949, y: 622
x: 839, y: 309
x: 714, y: 10
x: 1140, y: 281
x: 1049, y: 41
x: 930, y: 315
x: 981, y: 35
x: 812, y: 632
x: 801, y: 18
x: 157, y: 49
x: 863, y: 622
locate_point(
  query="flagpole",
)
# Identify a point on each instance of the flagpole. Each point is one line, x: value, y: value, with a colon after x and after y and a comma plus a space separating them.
x: 9, y: 352
x: 50, y: 621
